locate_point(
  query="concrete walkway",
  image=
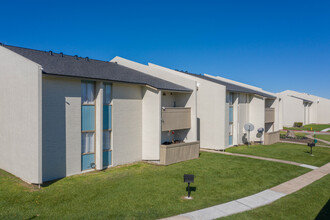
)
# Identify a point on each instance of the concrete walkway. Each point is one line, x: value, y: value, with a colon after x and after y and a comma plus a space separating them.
x: 325, y: 130
x: 310, y: 132
x: 263, y: 158
x: 260, y: 199
x: 292, y: 142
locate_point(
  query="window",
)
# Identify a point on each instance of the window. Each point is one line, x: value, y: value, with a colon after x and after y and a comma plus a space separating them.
x: 87, y: 125
x: 231, y: 114
x: 231, y: 129
x: 87, y: 143
x: 243, y: 98
x: 230, y: 101
x: 107, y: 113
x: 230, y: 98
x: 87, y: 92
x: 106, y: 140
x: 107, y: 94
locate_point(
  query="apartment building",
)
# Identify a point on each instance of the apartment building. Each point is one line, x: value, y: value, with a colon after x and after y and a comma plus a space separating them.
x: 66, y: 115
x: 304, y: 108
x: 223, y: 107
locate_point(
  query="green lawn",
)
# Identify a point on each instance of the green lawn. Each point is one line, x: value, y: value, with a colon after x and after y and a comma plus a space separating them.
x: 311, y: 202
x: 142, y: 191
x: 298, y: 134
x: 292, y: 152
x: 315, y: 127
x: 323, y: 137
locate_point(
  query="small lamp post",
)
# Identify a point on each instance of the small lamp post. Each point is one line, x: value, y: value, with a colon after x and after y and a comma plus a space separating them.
x: 188, y: 178
x: 311, y: 145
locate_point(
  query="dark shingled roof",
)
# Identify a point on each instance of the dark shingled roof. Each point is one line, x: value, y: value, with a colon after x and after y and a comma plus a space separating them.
x: 232, y: 87
x: 73, y: 66
x: 305, y: 100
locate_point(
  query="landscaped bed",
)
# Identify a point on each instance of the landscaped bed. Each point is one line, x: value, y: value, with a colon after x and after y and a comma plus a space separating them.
x: 314, y: 127
x: 285, y: 151
x: 311, y: 202
x: 298, y: 137
x: 142, y: 191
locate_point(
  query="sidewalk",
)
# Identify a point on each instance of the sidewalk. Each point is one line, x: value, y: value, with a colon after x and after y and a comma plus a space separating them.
x: 260, y: 199
x: 292, y: 142
x: 262, y: 158
x: 310, y: 132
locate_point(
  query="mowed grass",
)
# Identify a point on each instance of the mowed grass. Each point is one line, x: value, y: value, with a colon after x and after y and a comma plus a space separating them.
x: 298, y: 134
x: 142, y: 191
x: 323, y: 137
x: 285, y: 151
x: 311, y: 202
x: 314, y: 127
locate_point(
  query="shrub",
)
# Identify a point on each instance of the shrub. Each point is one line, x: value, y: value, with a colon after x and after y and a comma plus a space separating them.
x: 298, y: 124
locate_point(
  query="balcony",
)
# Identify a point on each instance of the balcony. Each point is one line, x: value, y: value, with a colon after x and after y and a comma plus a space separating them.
x: 269, y: 115
x: 175, y: 118
x: 175, y: 153
x: 272, y: 138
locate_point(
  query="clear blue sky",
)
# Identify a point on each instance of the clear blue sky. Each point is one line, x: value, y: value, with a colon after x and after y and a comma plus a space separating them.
x: 276, y: 45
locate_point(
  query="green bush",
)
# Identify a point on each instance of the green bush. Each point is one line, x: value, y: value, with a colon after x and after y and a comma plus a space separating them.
x: 298, y: 124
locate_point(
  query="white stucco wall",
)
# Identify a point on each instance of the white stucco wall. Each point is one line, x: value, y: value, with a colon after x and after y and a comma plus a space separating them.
x: 211, y: 99
x: 20, y: 116
x: 292, y: 110
x: 61, y: 119
x: 151, y: 123
x: 323, y: 110
x: 211, y: 114
x: 243, y: 118
x: 160, y: 72
x: 257, y: 116
x: 127, y: 123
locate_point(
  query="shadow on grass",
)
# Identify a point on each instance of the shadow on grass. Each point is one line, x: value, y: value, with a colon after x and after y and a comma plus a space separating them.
x: 33, y: 217
x: 48, y: 183
x: 325, y: 212
x: 192, y: 189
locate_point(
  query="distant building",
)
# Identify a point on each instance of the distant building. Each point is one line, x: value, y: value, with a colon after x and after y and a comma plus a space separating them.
x: 304, y: 108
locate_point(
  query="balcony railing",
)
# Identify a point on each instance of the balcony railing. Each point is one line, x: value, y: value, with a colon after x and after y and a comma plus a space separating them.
x: 175, y: 153
x: 175, y: 118
x: 272, y: 138
x: 269, y: 115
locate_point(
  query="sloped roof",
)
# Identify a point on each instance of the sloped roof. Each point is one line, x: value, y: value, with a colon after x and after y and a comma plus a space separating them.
x: 232, y: 87
x: 74, y: 66
x: 305, y: 100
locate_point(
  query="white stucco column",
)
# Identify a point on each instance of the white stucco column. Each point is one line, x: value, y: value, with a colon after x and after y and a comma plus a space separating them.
x: 235, y: 120
x: 99, y: 126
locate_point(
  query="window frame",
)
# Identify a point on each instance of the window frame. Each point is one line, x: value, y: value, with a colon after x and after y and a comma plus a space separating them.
x: 107, y: 104
x: 86, y: 82
x: 231, y: 123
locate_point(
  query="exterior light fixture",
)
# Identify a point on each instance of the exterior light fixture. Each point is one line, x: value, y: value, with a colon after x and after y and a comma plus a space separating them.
x: 188, y: 178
